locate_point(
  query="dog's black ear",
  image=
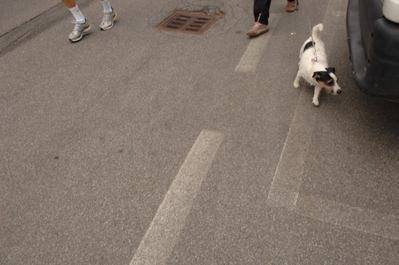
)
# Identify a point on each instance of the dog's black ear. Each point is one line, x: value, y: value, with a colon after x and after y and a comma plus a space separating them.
x: 331, y: 70
x: 316, y: 75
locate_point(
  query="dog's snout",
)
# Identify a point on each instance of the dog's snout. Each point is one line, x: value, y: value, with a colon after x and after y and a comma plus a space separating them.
x: 339, y: 91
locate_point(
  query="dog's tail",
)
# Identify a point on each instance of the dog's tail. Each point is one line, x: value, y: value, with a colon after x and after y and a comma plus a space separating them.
x: 316, y: 32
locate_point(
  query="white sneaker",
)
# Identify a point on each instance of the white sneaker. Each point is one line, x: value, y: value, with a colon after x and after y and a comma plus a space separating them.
x: 108, y: 20
x: 79, y: 30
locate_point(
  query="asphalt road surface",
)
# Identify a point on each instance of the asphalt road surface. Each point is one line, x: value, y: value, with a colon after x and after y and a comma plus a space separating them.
x: 144, y: 146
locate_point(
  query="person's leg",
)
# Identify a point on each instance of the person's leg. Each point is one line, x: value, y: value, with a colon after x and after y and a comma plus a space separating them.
x: 106, y: 6
x: 69, y: 3
x: 261, y: 15
x: 109, y: 17
x: 73, y: 7
x: 82, y: 26
x: 261, y: 11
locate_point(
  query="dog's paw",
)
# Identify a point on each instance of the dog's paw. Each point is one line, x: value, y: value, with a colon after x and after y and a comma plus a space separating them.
x: 296, y: 84
x: 315, y: 103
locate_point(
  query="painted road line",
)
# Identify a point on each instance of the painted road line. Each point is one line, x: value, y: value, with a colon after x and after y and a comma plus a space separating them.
x: 335, y: 10
x: 359, y: 219
x: 164, y: 230
x: 288, y: 176
x: 256, y: 47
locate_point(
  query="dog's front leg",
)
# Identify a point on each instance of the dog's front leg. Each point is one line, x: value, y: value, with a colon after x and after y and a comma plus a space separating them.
x: 297, y: 79
x: 316, y: 94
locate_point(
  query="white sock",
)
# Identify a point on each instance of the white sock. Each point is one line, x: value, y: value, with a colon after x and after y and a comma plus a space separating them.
x: 107, y: 6
x: 78, y: 15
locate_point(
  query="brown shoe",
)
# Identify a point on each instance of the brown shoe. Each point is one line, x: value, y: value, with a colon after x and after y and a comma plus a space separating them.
x: 291, y: 6
x: 258, y: 29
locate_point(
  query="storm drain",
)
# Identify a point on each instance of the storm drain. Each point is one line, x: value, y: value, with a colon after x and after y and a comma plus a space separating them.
x: 188, y: 22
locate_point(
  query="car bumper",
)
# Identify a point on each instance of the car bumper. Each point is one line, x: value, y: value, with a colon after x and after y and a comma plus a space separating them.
x: 375, y: 72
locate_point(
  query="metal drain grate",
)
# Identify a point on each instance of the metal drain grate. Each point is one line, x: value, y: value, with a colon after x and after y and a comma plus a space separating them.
x: 188, y: 22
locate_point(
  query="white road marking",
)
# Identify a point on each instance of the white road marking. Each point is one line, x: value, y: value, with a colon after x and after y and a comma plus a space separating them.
x: 256, y: 47
x: 288, y: 176
x: 164, y: 230
x: 356, y: 218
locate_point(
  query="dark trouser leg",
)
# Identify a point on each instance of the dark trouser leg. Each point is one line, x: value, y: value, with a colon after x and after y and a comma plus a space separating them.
x: 261, y: 11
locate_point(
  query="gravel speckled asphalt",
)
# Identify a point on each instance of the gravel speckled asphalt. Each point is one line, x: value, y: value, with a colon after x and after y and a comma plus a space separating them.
x: 136, y: 127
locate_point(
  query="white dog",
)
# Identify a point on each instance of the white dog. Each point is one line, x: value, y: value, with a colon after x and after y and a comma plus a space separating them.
x: 313, y: 66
